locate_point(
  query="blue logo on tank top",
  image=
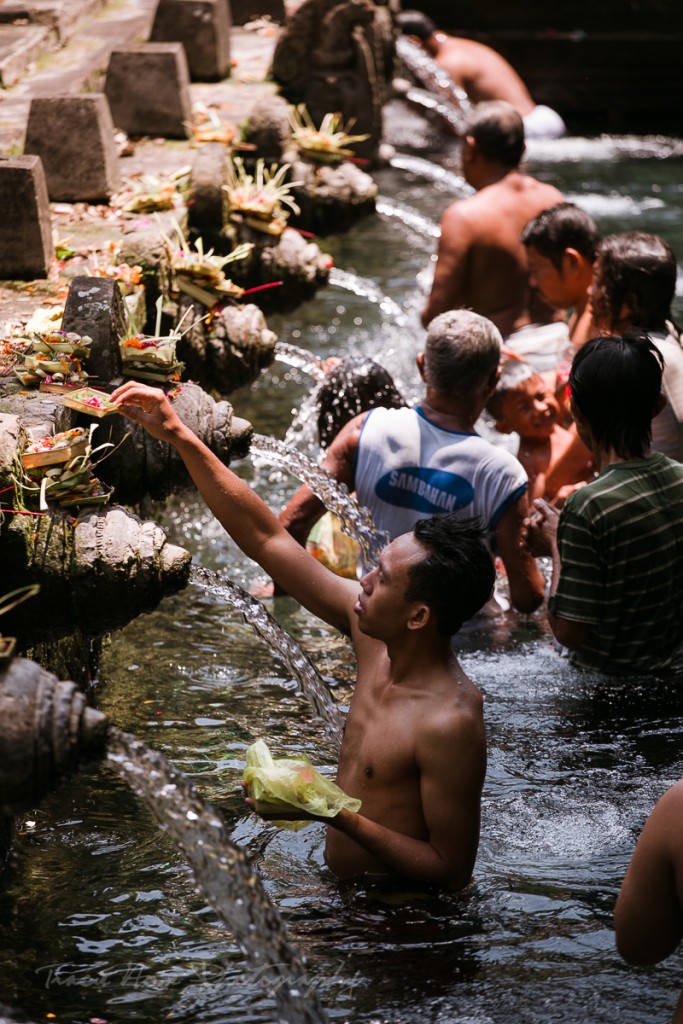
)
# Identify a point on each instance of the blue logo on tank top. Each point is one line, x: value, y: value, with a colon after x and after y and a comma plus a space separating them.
x: 425, y: 490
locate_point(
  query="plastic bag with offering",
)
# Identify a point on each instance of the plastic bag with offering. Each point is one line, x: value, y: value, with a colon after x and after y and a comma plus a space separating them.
x: 330, y: 545
x: 290, y: 784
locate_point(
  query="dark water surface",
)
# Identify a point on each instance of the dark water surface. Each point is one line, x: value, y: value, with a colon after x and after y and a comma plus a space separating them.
x: 99, y: 917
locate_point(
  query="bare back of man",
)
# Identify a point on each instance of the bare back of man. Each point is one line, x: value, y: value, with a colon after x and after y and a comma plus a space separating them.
x: 481, y: 72
x: 482, y: 264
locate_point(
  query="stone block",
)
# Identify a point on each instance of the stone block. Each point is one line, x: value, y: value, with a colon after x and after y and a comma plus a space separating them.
x: 245, y: 10
x: 25, y: 230
x: 203, y: 27
x: 95, y: 306
x: 208, y: 175
x: 74, y: 137
x: 148, y: 90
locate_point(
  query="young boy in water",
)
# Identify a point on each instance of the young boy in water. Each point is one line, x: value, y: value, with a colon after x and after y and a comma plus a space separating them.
x: 524, y: 404
x: 617, y: 546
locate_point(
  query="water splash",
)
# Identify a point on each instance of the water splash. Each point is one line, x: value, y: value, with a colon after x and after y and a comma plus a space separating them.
x: 302, y: 431
x: 355, y: 519
x: 426, y: 70
x: 426, y: 100
x: 223, y: 874
x: 454, y: 183
x: 276, y: 639
x: 406, y: 215
x: 367, y: 289
x: 292, y: 355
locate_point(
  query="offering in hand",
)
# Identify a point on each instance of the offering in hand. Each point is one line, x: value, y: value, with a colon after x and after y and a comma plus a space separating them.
x: 287, y: 785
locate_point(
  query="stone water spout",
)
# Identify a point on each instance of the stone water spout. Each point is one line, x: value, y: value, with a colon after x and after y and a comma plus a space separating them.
x: 45, y: 729
x: 425, y: 69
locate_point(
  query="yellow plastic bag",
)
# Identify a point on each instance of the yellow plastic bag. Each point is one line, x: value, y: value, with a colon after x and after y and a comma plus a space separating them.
x: 289, y: 784
x: 330, y: 545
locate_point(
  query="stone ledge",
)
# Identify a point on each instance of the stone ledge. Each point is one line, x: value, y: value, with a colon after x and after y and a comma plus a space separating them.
x: 20, y: 46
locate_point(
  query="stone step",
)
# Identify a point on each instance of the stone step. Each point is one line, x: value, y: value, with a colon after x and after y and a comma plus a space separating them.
x: 30, y: 29
x: 21, y: 46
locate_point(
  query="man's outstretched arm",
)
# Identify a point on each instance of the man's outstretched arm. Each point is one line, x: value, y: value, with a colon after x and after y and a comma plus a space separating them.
x: 241, y: 512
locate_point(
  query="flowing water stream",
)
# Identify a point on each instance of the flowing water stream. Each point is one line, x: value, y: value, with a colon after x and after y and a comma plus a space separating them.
x: 355, y: 519
x: 223, y: 874
x: 99, y: 916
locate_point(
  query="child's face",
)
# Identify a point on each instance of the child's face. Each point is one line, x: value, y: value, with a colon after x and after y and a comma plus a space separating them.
x: 530, y: 409
x: 551, y: 283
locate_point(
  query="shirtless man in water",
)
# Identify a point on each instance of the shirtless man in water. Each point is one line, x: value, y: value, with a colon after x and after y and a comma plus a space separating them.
x: 414, y: 748
x: 482, y: 264
x: 481, y: 72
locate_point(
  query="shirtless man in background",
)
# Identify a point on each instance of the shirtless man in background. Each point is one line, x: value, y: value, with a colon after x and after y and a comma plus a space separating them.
x: 481, y: 72
x: 414, y: 748
x: 482, y: 264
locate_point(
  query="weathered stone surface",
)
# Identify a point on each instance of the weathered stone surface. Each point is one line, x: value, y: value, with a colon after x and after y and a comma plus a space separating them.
x: 25, y: 230
x: 332, y: 56
x: 203, y: 27
x: 95, y: 574
x: 10, y: 436
x: 38, y: 414
x: 6, y: 836
x: 142, y: 466
x: 245, y: 10
x: 148, y: 90
x: 205, y: 209
x: 20, y: 45
x: 299, y: 264
x: 147, y: 249
x: 94, y: 306
x: 46, y: 728
x: 332, y: 197
x: 241, y: 346
x: 268, y: 129
x: 74, y: 137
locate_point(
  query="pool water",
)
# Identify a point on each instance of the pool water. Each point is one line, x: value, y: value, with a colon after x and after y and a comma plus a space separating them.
x: 99, y: 918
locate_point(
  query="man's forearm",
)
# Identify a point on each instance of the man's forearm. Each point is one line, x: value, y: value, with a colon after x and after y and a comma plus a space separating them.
x: 301, y: 514
x: 237, y: 507
x: 414, y: 858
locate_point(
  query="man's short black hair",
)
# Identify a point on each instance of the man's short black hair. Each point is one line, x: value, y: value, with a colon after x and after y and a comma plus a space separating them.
x: 615, y: 383
x: 561, y: 227
x: 498, y: 130
x: 637, y: 270
x: 456, y: 578
x: 354, y: 386
x: 415, y: 23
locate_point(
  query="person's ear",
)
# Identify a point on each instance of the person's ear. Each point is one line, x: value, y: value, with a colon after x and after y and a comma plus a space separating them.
x: 420, y: 617
x: 469, y: 149
x: 502, y: 426
x: 420, y: 361
x: 571, y: 262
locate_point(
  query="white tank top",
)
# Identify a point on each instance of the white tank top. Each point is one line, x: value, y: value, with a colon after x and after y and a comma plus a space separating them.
x: 407, y: 468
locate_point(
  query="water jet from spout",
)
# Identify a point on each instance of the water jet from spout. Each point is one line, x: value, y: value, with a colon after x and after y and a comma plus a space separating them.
x: 276, y: 638
x: 223, y: 873
x: 355, y: 519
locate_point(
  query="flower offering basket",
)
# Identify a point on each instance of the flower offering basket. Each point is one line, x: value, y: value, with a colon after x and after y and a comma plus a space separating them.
x: 94, y: 403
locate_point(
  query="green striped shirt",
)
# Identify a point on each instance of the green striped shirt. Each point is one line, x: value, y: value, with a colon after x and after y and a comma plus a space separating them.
x: 621, y: 551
